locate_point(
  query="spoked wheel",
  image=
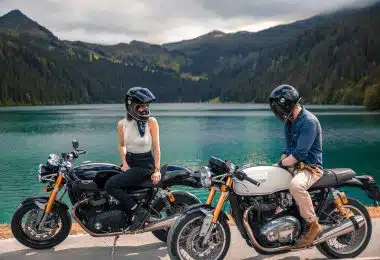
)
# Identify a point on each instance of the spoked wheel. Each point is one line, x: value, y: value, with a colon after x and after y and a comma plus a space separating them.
x: 162, y: 210
x: 352, y: 244
x: 25, y: 227
x: 185, y: 242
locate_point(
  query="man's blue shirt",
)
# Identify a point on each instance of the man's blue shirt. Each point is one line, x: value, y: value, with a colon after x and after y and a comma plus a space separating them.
x: 304, y: 138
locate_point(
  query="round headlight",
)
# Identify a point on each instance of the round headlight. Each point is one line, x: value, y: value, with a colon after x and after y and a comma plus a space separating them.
x: 53, y: 160
x: 205, y: 176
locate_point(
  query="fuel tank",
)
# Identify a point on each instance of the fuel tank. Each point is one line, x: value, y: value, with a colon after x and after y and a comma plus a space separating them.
x: 97, y: 173
x: 272, y: 179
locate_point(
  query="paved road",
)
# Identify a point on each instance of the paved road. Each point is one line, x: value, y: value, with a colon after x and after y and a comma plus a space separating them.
x: 146, y: 246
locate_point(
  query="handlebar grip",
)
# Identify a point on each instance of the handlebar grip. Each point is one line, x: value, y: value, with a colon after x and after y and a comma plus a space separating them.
x: 252, y: 181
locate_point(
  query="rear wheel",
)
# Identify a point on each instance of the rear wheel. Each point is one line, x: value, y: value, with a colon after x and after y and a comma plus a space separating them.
x: 25, y: 227
x: 162, y: 209
x: 352, y: 244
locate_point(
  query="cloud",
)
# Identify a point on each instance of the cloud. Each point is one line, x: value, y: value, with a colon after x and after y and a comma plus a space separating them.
x: 159, y: 21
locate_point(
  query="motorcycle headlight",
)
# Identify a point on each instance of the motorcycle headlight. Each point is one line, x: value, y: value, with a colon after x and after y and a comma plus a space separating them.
x: 205, y: 176
x: 53, y: 160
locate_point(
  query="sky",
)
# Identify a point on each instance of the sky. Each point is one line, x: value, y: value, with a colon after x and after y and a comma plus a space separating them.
x: 162, y: 21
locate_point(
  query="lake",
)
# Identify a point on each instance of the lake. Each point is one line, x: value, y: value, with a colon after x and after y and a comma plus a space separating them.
x: 189, y: 135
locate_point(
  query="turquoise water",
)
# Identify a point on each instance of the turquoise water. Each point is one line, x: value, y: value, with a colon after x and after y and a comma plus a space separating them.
x: 189, y: 133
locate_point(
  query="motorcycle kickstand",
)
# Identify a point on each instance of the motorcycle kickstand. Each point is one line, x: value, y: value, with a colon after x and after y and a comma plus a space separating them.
x: 114, y: 245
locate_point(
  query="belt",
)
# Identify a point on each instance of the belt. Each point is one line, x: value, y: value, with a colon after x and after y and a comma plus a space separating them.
x: 310, y: 167
x: 137, y: 155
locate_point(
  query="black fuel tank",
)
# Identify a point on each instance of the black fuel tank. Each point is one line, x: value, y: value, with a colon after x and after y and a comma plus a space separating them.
x: 97, y: 172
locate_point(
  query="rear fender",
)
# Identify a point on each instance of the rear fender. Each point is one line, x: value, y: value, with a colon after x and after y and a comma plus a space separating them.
x: 42, y: 201
x: 366, y: 183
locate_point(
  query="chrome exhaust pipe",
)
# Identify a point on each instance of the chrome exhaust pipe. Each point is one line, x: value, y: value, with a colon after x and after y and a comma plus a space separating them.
x: 253, y: 239
x: 156, y: 225
x: 159, y: 224
x: 343, y: 228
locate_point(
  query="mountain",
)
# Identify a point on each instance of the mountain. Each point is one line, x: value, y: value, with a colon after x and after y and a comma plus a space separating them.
x: 335, y: 61
x: 38, y: 68
x: 135, y: 53
x: 196, y: 42
x: 17, y: 22
x: 215, y: 51
x: 331, y: 58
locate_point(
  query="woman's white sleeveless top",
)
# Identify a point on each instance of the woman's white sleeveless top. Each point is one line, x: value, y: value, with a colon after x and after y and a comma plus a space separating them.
x: 133, y: 141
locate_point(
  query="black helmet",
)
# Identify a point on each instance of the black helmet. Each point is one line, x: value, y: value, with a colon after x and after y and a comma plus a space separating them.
x: 282, y: 101
x: 137, y: 102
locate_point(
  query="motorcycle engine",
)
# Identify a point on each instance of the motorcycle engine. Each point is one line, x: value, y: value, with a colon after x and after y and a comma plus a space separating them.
x: 281, y: 230
x: 109, y: 221
x: 104, y: 214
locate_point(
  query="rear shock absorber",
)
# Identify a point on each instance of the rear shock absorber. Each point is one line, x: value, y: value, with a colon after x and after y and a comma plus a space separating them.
x: 340, y: 200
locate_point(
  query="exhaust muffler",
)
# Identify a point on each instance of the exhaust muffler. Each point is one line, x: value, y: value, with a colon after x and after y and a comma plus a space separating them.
x: 159, y: 224
x: 343, y: 228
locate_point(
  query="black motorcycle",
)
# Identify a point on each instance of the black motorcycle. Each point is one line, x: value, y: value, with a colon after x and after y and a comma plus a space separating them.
x: 44, y: 222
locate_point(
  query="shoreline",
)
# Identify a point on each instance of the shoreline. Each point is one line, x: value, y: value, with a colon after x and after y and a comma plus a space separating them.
x: 5, y: 230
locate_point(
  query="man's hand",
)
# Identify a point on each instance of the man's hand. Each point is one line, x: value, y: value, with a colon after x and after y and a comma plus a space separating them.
x: 156, y: 177
x: 289, y: 161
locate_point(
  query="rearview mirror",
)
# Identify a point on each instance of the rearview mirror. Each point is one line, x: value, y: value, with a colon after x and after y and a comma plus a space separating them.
x: 75, y: 144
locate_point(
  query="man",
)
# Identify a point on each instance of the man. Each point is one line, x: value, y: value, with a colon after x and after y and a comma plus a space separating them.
x: 302, y: 155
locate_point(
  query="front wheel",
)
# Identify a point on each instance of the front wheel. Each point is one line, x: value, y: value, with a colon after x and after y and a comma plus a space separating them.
x: 184, y: 241
x: 352, y: 244
x: 24, y: 227
x: 165, y: 209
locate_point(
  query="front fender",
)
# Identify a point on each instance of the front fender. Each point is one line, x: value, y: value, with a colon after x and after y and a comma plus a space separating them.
x: 41, y: 202
x: 207, y: 210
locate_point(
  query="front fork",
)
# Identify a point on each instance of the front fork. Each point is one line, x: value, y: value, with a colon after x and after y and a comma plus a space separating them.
x: 52, y: 197
x: 211, y: 220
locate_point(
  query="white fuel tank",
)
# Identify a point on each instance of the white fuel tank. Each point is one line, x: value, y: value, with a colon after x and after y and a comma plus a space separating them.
x: 272, y: 179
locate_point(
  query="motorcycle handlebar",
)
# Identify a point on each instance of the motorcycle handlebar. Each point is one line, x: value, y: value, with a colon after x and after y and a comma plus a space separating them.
x: 73, y: 155
x: 243, y: 176
x: 252, y: 181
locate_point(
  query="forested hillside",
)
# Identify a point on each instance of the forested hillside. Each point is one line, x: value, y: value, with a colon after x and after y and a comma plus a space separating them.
x: 335, y: 62
x: 330, y: 58
x: 37, y: 68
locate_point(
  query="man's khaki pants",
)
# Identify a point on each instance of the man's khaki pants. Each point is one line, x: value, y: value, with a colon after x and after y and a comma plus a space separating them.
x: 301, y: 182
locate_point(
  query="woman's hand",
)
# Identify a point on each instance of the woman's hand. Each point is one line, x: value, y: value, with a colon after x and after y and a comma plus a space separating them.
x: 125, y: 166
x: 156, y: 177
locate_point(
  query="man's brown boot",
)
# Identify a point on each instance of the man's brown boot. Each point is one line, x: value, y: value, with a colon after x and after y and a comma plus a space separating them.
x: 307, y: 239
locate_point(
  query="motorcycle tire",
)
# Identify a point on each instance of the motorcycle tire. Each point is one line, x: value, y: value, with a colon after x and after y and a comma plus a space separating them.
x: 326, y: 250
x: 182, y: 198
x: 27, y: 241
x: 181, y: 225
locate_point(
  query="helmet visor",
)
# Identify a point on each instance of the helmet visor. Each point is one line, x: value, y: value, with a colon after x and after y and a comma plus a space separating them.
x: 280, y: 112
x: 142, y: 109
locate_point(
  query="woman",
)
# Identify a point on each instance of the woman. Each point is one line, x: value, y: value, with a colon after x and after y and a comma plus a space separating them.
x: 138, y: 133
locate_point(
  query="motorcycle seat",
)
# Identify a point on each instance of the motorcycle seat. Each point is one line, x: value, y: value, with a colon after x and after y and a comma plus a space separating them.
x: 333, y: 177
